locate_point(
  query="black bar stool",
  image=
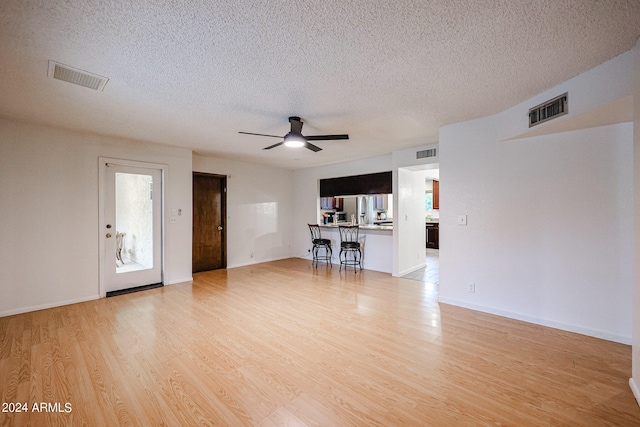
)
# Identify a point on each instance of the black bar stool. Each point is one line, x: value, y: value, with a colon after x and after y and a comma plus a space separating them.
x: 319, y: 243
x: 349, y: 244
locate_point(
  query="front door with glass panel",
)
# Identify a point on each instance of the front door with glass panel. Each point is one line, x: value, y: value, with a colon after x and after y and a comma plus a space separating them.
x: 132, y: 226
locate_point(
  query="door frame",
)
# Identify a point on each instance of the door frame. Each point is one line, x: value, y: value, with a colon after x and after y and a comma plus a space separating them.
x: 223, y: 211
x: 102, y: 286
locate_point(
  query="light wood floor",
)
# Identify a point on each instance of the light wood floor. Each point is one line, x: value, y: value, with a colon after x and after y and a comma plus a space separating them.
x: 282, y: 343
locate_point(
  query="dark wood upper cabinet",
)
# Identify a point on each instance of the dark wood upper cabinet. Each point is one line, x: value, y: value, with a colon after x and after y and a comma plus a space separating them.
x: 436, y: 194
x: 373, y: 183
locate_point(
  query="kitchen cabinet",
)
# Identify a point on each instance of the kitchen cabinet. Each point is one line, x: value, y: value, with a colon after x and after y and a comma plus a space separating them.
x: 433, y: 235
x: 330, y: 203
x: 373, y: 183
x: 436, y: 194
x: 380, y: 202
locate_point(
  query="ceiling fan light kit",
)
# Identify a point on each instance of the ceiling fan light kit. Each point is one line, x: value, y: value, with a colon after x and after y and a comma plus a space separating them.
x: 295, y: 138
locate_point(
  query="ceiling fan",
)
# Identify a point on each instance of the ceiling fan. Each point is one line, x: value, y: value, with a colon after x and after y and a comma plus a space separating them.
x: 295, y: 138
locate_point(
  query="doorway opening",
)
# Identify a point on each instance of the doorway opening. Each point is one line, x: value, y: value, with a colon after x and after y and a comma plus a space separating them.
x: 417, y: 229
x: 430, y: 273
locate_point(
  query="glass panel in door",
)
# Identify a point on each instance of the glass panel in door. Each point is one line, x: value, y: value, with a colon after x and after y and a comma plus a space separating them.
x: 134, y: 222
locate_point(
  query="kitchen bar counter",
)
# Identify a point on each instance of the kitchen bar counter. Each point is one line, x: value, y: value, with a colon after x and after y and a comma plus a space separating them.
x: 376, y: 242
x: 362, y: 226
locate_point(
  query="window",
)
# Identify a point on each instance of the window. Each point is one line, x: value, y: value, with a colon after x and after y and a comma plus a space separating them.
x: 428, y: 201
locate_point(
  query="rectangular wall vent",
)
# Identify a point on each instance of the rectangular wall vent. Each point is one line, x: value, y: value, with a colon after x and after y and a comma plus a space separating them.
x: 431, y: 152
x: 76, y: 76
x: 551, y: 109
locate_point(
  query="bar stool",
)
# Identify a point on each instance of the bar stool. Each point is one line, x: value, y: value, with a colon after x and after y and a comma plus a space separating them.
x: 349, y: 244
x: 319, y: 243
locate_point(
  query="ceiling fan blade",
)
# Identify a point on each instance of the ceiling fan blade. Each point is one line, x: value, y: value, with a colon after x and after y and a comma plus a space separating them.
x: 312, y: 147
x: 326, y: 137
x: 273, y: 146
x: 260, y: 134
x: 296, y: 124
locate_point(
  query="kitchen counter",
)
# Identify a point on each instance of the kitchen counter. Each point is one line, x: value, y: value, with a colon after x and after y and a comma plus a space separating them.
x: 376, y: 242
x: 362, y: 226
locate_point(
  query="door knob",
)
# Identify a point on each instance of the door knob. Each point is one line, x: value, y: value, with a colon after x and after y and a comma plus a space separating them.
x: 108, y: 235
x: 219, y: 228
x: 108, y: 225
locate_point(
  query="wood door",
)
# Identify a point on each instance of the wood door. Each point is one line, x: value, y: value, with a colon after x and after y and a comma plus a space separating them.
x: 436, y: 194
x: 209, y: 225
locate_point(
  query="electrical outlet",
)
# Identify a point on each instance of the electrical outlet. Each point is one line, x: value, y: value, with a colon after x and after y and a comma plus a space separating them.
x: 173, y: 220
x: 462, y: 220
x: 251, y: 254
x: 472, y: 288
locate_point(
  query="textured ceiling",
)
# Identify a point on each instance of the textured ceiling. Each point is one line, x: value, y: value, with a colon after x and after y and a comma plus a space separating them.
x: 390, y: 73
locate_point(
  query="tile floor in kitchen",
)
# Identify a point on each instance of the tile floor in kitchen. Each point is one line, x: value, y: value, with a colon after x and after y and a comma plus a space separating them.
x: 430, y: 273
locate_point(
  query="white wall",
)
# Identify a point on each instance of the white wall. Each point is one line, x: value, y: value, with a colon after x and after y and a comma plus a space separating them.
x: 635, y: 379
x: 260, y: 207
x: 407, y: 158
x: 409, y: 223
x: 549, y: 228
x: 49, y: 254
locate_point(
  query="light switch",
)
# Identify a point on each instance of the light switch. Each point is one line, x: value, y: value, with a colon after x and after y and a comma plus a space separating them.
x: 174, y: 212
x: 462, y: 220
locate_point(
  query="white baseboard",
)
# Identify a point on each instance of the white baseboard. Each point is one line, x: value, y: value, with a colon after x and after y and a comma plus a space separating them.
x: 543, y: 322
x: 46, y: 306
x: 412, y: 269
x: 244, y: 264
x: 635, y: 390
x: 175, y: 282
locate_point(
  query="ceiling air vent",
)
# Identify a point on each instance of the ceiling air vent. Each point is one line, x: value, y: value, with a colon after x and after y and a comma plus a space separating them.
x: 431, y: 152
x: 76, y: 76
x: 551, y: 109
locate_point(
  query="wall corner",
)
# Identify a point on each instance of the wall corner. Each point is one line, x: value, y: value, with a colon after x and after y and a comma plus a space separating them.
x: 635, y: 354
